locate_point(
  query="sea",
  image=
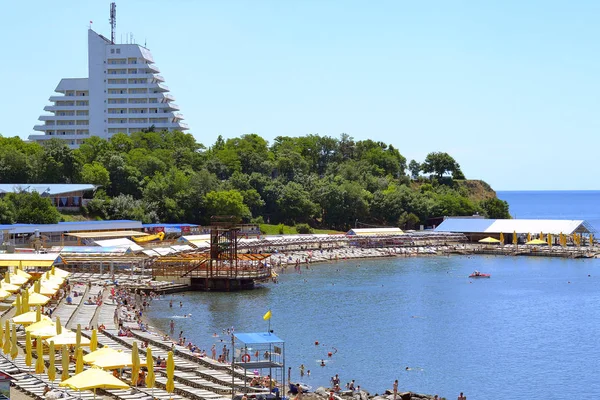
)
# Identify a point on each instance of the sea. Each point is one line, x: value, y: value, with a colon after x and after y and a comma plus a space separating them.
x: 531, y: 331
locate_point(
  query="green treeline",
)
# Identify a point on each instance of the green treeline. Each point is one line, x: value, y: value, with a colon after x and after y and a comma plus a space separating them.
x: 318, y: 180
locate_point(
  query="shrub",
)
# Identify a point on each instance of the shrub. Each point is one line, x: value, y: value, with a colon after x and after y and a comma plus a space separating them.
x: 303, y: 228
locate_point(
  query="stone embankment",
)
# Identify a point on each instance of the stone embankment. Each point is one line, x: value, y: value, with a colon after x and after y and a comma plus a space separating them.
x: 323, y: 393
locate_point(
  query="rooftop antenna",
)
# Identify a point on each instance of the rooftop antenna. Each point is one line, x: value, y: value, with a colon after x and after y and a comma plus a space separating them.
x: 113, y: 22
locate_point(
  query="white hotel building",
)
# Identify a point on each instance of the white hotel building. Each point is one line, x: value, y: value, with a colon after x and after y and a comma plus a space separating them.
x: 123, y: 93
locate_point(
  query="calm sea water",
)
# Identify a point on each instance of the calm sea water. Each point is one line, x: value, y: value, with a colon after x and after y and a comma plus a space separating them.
x: 531, y: 331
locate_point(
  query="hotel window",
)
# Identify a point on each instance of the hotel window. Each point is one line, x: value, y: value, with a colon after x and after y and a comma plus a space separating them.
x: 112, y: 51
x: 118, y: 51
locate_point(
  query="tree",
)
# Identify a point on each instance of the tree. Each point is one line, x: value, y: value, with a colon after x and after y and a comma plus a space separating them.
x: 439, y: 164
x: 96, y: 174
x: 31, y: 208
x: 8, y: 214
x: 227, y: 202
x: 495, y: 208
x: 294, y: 204
x: 414, y: 168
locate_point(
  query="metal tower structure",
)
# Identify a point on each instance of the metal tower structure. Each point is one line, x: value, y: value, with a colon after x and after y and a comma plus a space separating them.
x: 113, y: 21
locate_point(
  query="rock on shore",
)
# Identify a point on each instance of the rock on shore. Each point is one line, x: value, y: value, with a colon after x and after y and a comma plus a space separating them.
x: 322, y: 393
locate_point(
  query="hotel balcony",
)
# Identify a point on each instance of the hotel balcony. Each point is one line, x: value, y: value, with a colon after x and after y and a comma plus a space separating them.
x: 68, y: 98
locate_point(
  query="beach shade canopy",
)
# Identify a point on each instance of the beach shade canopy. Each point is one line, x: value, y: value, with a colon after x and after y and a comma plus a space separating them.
x: 68, y: 338
x: 54, y: 284
x: 489, y: 240
x: 9, y: 287
x: 39, y: 325
x: 16, y: 279
x: 45, y: 332
x: 4, y: 294
x: 116, y: 361
x: 61, y: 273
x: 94, y: 378
x: 14, y: 349
x: 94, y: 355
x: 538, y: 242
x: 28, y: 318
x: 36, y: 299
x: 43, y: 290
x: 21, y: 273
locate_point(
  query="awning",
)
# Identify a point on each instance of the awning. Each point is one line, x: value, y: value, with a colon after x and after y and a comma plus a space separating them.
x: 107, y: 234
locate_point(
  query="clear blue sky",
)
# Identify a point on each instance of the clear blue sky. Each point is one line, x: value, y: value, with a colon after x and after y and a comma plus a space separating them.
x: 509, y: 88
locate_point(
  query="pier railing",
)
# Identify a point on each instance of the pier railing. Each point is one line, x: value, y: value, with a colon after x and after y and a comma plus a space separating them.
x: 205, y: 268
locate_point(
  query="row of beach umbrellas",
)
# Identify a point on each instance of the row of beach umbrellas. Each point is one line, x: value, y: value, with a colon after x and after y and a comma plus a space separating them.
x: 43, y: 330
x: 548, y: 240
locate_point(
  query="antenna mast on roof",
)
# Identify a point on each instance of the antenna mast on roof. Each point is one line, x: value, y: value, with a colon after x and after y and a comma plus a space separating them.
x: 113, y: 22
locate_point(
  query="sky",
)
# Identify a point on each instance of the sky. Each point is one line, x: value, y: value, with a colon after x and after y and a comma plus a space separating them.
x: 509, y: 88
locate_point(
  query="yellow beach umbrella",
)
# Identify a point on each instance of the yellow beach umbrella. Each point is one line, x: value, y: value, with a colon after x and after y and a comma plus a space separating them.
x: 541, y: 236
x: 78, y: 336
x: 150, y: 378
x: 515, y: 240
x: 25, y: 301
x: 39, y: 325
x: 65, y: 364
x: 50, y: 283
x: 35, y: 288
x: 14, y: 349
x: 51, y: 367
x: 36, y: 299
x: 21, y: 273
x: 536, y: 242
x: 170, y: 385
x: 529, y: 237
x: 4, y: 294
x: 1, y: 335
x: 58, y: 326
x: 39, y: 364
x: 9, y: 287
x: 67, y: 338
x: 28, y: 318
x: 44, y: 290
x: 549, y: 236
x: 45, y: 332
x: 591, y: 239
x: 28, y: 357
x: 135, y: 364
x: 79, y: 361
x: 116, y: 361
x: 501, y: 238
x: 489, y: 240
x: 6, y: 346
x: 18, y: 306
x: 38, y: 314
x: 93, y: 356
x: 94, y: 378
x: 61, y: 273
x: 15, y: 279
x: 94, y: 340
x: 7, y: 277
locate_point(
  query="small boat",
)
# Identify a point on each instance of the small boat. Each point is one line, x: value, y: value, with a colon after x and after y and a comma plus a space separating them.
x: 477, y: 274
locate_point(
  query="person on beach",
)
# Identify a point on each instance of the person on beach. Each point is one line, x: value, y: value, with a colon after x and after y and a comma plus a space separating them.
x: 213, y: 351
x: 172, y: 325
x: 395, y: 389
x: 301, y: 370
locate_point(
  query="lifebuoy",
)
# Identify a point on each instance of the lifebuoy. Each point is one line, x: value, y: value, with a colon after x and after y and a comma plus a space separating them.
x: 246, y: 358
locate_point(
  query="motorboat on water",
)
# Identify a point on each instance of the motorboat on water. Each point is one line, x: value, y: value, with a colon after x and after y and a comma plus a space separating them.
x: 477, y: 274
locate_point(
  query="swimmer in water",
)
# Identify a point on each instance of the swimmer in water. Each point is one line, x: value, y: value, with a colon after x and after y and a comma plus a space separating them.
x: 322, y: 363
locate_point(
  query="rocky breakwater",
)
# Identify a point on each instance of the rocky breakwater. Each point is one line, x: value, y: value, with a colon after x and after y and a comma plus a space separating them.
x: 323, y: 393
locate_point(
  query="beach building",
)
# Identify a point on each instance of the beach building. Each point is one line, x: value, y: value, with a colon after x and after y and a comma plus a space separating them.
x: 123, y: 93
x: 64, y: 196
x: 476, y: 229
x: 374, y: 231
x: 66, y: 233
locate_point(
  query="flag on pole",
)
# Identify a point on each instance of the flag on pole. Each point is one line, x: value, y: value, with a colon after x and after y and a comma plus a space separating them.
x: 267, y: 316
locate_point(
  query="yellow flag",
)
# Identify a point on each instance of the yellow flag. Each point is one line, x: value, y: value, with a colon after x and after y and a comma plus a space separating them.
x: 267, y: 316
